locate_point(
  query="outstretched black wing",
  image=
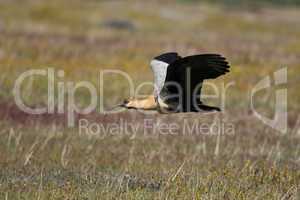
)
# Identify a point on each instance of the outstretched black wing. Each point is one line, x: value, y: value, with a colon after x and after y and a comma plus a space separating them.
x: 189, y: 73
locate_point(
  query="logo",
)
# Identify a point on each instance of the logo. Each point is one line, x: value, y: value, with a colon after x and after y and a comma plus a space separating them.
x: 279, y: 121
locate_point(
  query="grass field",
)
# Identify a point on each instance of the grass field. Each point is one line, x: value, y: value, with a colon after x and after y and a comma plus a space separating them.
x: 42, y: 158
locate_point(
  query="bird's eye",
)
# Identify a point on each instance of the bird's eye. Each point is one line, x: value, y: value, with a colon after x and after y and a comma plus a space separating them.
x: 126, y: 101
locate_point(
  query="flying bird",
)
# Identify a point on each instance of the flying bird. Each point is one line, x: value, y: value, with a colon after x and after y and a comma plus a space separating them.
x: 178, y: 82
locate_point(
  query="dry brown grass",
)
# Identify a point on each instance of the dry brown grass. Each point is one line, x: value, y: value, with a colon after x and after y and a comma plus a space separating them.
x: 40, y: 158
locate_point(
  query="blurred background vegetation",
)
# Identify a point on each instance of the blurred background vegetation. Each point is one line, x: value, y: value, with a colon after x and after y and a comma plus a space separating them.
x: 40, y: 159
x: 249, y: 2
x: 84, y: 37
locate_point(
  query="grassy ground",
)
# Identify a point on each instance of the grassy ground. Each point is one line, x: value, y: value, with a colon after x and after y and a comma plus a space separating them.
x: 42, y: 159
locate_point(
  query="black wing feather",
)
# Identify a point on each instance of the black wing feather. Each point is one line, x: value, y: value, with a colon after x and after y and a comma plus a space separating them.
x: 208, y: 66
x: 201, y: 67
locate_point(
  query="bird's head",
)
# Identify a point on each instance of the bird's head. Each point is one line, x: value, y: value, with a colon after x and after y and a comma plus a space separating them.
x: 128, y: 103
x: 147, y: 103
